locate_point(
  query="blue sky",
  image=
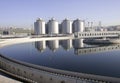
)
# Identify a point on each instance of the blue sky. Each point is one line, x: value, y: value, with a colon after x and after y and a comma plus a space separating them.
x: 22, y: 13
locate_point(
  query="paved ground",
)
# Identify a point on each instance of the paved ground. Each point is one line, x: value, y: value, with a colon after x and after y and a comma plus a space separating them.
x: 6, y: 79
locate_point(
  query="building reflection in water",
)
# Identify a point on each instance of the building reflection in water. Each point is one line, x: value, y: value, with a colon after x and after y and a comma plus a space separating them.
x: 40, y: 45
x: 53, y: 45
x: 77, y: 45
x: 97, y: 49
x: 66, y: 44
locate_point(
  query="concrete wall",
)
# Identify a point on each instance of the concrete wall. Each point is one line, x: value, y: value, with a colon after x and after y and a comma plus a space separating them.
x: 33, y: 74
x: 39, y: 74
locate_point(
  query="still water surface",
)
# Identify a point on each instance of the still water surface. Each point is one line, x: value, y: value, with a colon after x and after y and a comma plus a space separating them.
x: 70, y: 55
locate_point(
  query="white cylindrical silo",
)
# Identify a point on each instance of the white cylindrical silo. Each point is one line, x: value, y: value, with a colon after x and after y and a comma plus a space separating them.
x: 66, y: 26
x: 53, y: 26
x: 39, y: 27
x: 78, y: 26
x: 35, y: 28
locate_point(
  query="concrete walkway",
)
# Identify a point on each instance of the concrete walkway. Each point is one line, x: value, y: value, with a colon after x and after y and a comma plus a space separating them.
x: 5, y: 79
x: 11, y: 41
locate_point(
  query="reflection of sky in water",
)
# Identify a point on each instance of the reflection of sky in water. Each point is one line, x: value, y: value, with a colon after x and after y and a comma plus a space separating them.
x: 70, y: 55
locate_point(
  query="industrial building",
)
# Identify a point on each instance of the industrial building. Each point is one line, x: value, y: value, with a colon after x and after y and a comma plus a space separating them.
x: 53, y: 27
x: 39, y: 27
x: 66, y: 26
x: 78, y: 25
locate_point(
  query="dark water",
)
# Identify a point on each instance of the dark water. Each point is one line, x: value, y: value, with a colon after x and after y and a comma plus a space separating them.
x: 71, y: 55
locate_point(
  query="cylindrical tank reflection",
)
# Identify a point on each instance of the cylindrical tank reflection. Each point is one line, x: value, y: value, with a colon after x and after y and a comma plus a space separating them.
x: 53, y: 45
x: 40, y: 45
x: 78, y: 43
x: 66, y: 44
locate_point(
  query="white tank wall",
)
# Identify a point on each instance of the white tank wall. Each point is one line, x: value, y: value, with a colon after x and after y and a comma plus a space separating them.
x: 66, y: 26
x: 82, y: 26
x: 53, y: 27
x: 35, y: 28
x: 39, y: 27
x: 78, y: 26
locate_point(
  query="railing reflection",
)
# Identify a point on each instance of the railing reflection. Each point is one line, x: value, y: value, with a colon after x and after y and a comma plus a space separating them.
x: 97, y: 49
